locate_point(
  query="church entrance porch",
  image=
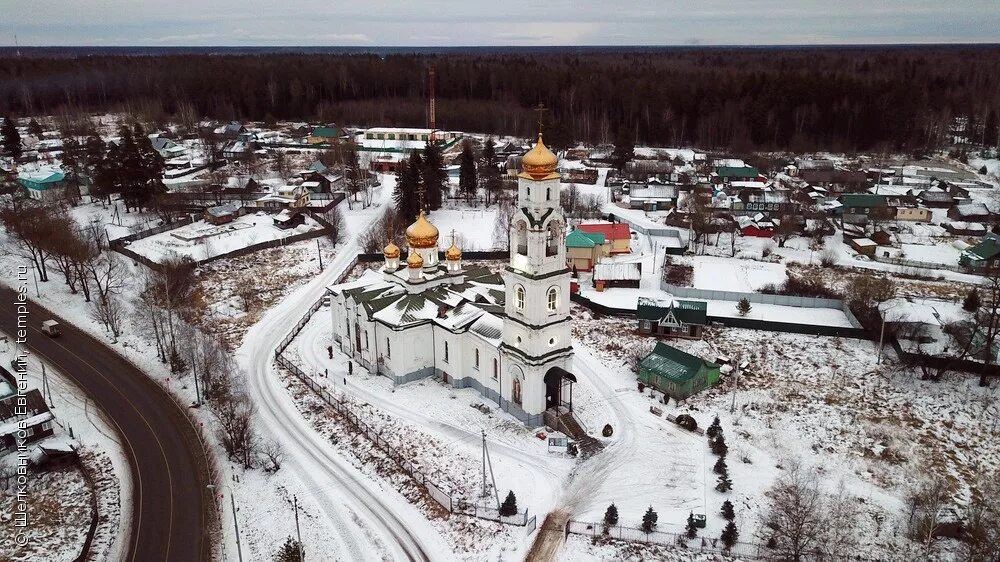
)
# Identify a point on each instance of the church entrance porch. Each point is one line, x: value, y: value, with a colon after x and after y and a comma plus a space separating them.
x: 559, y: 389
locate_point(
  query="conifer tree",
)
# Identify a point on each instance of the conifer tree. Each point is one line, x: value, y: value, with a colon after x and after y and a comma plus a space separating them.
x: 743, y: 306
x: 718, y: 444
x: 714, y: 429
x: 407, y: 183
x: 509, y: 505
x: 727, y: 510
x: 289, y: 552
x: 433, y: 176
x: 467, y: 181
x: 10, y: 138
x: 730, y: 535
x: 611, y: 515
x: 972, y: 301
x: 720, y: 466
x: 34, y: 128
x: 690, y: 530
x: 489, y: 171
x: 649, y: 521
x: 724, y: 484
x: 624, y: 149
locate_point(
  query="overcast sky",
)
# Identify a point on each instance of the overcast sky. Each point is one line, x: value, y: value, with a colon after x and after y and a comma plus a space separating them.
x: 508, y: 22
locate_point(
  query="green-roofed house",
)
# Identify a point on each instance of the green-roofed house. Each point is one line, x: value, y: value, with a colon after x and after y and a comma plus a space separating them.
x: 726, y: 174
x: 676, y: 373
x: 324, y: 135
x: 857, y: 207
x: 46, y: 185
x: 985, y: 253
x: 673, y: 318
x: 585, y: 249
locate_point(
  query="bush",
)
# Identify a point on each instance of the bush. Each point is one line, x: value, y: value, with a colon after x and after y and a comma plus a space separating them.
x: 828, y: 258
x: 687, y: 422
x: 972, y: 301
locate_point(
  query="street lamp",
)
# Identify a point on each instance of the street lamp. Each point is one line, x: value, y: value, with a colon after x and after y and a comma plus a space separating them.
x: 236, y: 524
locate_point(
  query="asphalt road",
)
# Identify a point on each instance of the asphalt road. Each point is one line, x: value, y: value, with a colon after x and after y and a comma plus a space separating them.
x: 171, y: 508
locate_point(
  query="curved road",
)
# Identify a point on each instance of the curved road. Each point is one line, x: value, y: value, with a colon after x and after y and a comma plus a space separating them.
x: 170, y: 505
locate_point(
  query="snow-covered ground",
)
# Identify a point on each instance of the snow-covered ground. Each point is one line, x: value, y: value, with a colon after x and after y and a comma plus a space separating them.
x: 473, y: 227
x: 201, y: 240
x: 822, y: 400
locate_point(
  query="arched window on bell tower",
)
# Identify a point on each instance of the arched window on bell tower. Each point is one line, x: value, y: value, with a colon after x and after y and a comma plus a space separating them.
x: 519, y: 297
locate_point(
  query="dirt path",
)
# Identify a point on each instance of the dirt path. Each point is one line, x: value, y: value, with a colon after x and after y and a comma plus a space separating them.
x: 550, y: 538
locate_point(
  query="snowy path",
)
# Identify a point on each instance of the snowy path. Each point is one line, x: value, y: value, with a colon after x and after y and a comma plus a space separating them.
x: 366, y: 520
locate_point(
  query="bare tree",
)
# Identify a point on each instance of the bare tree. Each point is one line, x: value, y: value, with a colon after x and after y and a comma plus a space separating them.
x: 32, y: 228
x: 109, y: 273
x: 246, y: 290
x: 236, y: 430
x: 982, y: 521
x: 338, y: 227
x: 923, y: 503
x: 111, y: 312
x: 506, y: 209
x: 794, y: 517
x: 273, y: 454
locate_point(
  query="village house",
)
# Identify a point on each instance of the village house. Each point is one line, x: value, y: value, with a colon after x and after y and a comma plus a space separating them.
x: 835, y: 180
x: 965, y: 228
x: 652, y: 197
x: 984, y: 254
x: 970, y: 212
x: 222, y: 214
x: 858, y: 207
x: 675, y: 373
x: 915, y: 214
x: 44, y: 185
x: 324, y: 136
x: 727, y: 174
x: 936, y: 198
x: 167, y: 148
x: 28, y: 411
x: 617, y: 235
x: 294, y: 196
x: 673, y: 318
x: 617, y: 274
x: 584, y: 250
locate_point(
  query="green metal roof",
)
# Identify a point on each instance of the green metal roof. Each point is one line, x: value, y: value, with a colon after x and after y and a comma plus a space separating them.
x: 737, y: 172
x: 863, y: 200
x: 580, y: 239
x: 687, y: 312
x: 674, y: 364
x: 985, y: 250
x: 328, y: 132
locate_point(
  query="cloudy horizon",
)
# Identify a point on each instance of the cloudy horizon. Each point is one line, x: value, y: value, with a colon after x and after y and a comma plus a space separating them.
x: 476, y: 23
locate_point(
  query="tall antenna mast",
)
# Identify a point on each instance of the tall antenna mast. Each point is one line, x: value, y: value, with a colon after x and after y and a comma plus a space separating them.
x: 17, y: 46
x: 431, y: 109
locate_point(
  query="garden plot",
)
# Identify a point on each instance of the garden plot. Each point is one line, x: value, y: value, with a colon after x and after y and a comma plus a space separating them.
x: 201, y: 240
x: 723, y: 274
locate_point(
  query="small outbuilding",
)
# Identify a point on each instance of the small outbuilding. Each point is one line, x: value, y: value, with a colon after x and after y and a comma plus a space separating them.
x: 222, y: 214
x: 863, y: 246
x: 289, y: 218
x: 676, y: 373
x: 617, y: 274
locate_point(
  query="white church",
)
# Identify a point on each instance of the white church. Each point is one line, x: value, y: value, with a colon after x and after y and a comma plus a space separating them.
x: 506, y: 335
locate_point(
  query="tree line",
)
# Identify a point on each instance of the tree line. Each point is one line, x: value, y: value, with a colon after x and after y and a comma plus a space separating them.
x: 900, y: 98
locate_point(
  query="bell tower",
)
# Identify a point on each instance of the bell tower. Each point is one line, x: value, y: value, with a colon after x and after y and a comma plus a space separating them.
x: 536, y: 346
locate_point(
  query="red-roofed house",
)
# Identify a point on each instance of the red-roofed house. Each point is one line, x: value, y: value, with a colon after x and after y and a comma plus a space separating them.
x: 618, y: 235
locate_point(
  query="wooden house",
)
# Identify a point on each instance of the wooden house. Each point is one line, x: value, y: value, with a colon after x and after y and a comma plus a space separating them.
x: 584, y: 250
x: 617, y: 235
x: 617, y: 274
x: 675, y: 373
x: 222, y: 214
x: 33, y: 417
x: 675, y: 318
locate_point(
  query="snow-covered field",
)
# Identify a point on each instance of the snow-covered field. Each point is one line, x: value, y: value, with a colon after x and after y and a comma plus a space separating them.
x: 473, y: 227
x: 200, y: 240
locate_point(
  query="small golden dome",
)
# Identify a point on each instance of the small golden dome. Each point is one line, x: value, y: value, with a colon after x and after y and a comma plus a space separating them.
x: 539, y: 162
x: 422, y: 234
x: 414, y: 261
x: 391, y: 250
x: 453, y: 253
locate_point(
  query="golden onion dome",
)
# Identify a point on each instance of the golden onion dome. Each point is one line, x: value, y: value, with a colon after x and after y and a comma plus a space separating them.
x: 453, y: 253
x: 391, y: 250
x: 539, y: 162
x: 414, y: 261
x: 422, y: 234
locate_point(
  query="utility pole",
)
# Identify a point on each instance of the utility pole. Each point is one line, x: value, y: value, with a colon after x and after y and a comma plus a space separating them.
x: 46, y: 388
x: 736, y: 385
x: 236, y: 525
x: 298, y: 533
x: 320, y: 254
x: 194, y: 369
x: 35, y: 277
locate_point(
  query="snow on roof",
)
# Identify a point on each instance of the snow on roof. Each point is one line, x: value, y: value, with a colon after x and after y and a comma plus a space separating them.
x: 489, y: 327
x: 864, y: 242
x: 611, y: 231
x: 628, y: 271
